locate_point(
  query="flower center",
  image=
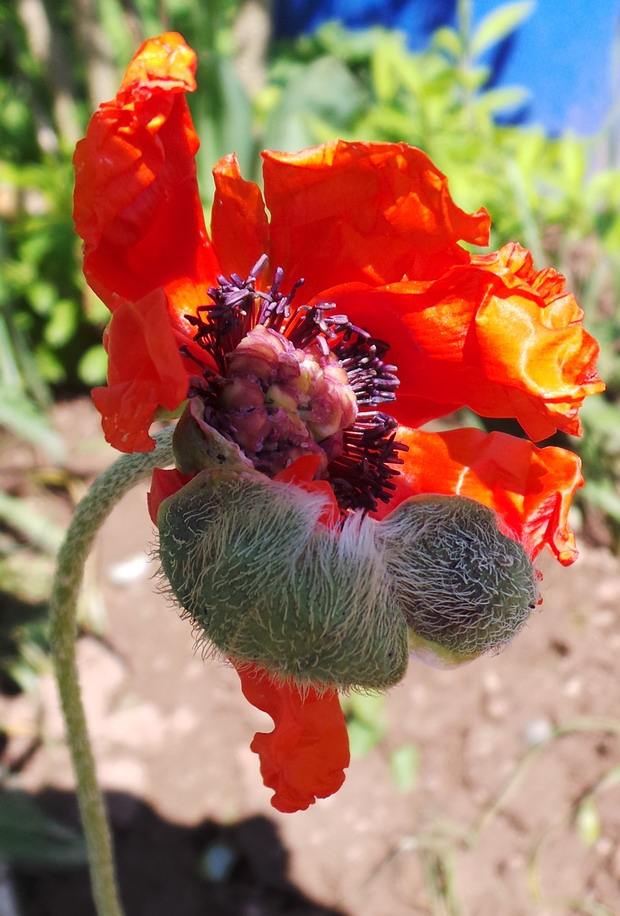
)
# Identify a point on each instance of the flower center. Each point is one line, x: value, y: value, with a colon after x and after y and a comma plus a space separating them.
x: 296, y: 380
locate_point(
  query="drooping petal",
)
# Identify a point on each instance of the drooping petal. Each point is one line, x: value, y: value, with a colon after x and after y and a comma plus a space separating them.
x: 537, y: 328
x: 470, y: 339
x: 145, y: 372
x: 136, y: 202
x: 239, y: 226
x: 370, y: 212
x: 304, y: 757
x: 531, y: 488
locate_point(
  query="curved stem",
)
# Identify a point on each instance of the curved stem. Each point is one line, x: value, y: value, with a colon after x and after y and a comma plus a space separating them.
x: 104, y: 494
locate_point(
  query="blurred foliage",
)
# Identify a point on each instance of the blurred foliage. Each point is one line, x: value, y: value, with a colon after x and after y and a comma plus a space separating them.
x: 29, y: 838
x: 366, y: 721
x: 365, y: 715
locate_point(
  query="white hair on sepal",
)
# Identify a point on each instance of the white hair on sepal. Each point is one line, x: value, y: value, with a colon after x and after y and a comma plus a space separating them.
x: 464, y: 586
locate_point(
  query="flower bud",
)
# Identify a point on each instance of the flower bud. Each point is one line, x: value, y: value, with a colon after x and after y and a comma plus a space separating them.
x: 266, y: 582
x: 464, y: 586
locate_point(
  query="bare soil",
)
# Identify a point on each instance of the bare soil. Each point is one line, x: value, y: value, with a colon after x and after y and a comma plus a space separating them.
x: 514, y: 809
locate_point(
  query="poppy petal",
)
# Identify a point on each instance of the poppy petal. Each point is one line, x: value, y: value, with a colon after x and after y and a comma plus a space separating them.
x: 531, y: 488
x: 164, y: 483
x: 301, y: 472
x: 472, y: 339
x: 136, y: 203
x: 371, y: 212
x: 145, y: 372
x: 239, y: 226
x: 304, y: 757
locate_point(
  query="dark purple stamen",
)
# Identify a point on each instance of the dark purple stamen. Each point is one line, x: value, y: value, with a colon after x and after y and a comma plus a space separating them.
x: 275, y: 306
x: 362, y: 458
x: 361, y: 356
x: 361, y: 476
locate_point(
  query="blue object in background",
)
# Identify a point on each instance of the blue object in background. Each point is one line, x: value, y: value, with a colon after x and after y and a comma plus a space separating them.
x: 562, y: 54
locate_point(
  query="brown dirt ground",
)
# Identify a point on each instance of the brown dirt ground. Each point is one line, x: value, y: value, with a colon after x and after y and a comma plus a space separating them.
x: 494, y: 825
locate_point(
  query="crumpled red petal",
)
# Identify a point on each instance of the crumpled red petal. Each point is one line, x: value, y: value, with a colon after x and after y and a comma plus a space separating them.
x: 305, y: 755
x: 136, y: 202
x: 164, y: 483
x: 530, y: 488
x: 302, y: 472
x: 372, y: 212
x: 239, y: 225
x: 504, y: 349
x: 145, y: 372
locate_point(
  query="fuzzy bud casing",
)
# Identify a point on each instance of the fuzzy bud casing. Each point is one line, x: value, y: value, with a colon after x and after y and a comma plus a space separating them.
x: 266, y: 582
x: 465, y: 587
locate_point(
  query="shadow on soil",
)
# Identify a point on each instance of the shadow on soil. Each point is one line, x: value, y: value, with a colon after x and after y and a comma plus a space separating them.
x: 239, y: 869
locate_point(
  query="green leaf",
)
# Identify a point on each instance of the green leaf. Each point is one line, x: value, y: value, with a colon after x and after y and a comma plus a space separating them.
x: 404, y: 763
x: 324, y: 90
x: 223, y: 117
x: 449, y: 41
x: 62, y: 323
x: 26, y: 518
x: 368, y: 708
x: 602, y: 495
x: 499, y: 24
x: 496, y: 100
x: 23, y: 419
x: 475, y: 77
x: 384, y: 75
x: 41, y: 296
x: 362, y: 737
x: 587, y: 821
x: 93, y: 365
x: 366, y: 724
x: 29, y: 836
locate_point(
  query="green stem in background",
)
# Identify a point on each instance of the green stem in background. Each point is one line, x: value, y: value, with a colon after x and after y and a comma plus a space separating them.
x: 89, y: 516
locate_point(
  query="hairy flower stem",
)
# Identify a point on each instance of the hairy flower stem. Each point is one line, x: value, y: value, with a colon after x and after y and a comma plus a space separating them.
x: 89, y: 516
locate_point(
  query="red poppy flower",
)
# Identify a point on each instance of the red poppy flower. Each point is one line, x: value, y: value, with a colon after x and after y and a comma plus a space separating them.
x: 303, y: 378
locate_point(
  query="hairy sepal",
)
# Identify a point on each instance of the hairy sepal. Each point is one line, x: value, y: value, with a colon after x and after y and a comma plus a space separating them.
x: 252, y: 565
x: 465, y: 587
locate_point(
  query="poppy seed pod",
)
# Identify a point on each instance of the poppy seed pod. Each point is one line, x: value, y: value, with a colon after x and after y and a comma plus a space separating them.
x: 464, y: 586
x: 267, y: 583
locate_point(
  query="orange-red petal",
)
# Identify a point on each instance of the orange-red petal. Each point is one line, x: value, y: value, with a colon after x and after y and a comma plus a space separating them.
x: 239, y: 225
x: 164, y: 483
x: 531, y: 488
x: 302, y: 472
x: 503, y: 344
x: 136, y: 202
x: 370, y: 212
x: 305, y: 755
x: 145, y: 372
